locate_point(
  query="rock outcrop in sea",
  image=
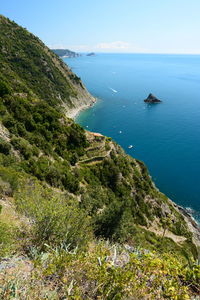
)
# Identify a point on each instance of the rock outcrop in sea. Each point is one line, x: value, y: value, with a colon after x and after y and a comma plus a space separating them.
x: 152, y: 99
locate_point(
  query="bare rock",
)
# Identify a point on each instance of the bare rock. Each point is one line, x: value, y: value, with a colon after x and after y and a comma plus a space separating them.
x: 152, y: 99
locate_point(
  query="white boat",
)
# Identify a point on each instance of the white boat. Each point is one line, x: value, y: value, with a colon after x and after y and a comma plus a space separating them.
x: 130, y: 146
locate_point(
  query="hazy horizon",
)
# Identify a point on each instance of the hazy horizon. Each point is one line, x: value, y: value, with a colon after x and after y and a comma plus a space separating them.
x: 98, y: 52
x: 170, y: 27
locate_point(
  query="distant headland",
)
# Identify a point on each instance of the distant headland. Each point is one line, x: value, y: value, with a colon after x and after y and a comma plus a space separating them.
x: 90, y: 54
x: 65, y: 53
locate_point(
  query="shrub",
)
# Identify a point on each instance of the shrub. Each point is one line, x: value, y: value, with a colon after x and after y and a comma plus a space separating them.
x: 111, y: 272
x: 5, y: 188
x: 4, y: 89
x: 23, y: 146
x: 56, y: 220
x: 4, y: 147
x: 6, y: 239
x: 9, y: 177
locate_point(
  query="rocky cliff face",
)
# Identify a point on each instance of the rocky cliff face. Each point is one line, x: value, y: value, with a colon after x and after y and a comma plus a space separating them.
x: 37, y: 140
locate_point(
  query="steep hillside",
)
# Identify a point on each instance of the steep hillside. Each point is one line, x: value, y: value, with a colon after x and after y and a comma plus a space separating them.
x: 30, y: 69
x: 39, y: 139
x: 62, y: 188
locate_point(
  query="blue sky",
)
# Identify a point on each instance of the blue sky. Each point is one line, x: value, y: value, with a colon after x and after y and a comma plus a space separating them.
x: 149, y: 26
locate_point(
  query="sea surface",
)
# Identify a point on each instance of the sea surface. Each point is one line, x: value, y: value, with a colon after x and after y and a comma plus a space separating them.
x: 166, y: 136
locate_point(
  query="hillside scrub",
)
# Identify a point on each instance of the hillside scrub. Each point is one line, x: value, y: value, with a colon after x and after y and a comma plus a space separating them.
x: 104, y: 271
x: 55, y: 218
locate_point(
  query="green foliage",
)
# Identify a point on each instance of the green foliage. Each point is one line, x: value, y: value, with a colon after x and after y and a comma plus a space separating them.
x: 37, y: 129
x: 115, y: 192
x: 104, y: 272
x: 56, y: 173
x: 4, y: 147
x: 23, y: 146
x: 4, y: 88
x: 40, y: 70
x: 7, y: 239
x: 9, y: 178
x: 76, y: 79
x: 57, y: 220
x: 5, y: 188
x: 111, y: 272
x: 41, y: 125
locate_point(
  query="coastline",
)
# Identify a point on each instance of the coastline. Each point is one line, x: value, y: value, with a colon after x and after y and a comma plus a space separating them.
x: 74, y: 112
x: 193, y: 225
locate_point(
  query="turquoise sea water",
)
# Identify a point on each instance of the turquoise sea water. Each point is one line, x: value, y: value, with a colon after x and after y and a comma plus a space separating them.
x: 165, y: 136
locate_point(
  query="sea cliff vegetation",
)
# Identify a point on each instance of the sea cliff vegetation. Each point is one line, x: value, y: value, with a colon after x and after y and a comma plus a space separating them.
x: 79, y: 218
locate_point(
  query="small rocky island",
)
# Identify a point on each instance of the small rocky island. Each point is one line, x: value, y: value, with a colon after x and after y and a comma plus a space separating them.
x: 152, y: 99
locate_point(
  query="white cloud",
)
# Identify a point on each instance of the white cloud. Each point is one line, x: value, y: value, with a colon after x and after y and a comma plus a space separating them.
x: 56, y: 46
x: 78, y: 48
x: 118, y: 45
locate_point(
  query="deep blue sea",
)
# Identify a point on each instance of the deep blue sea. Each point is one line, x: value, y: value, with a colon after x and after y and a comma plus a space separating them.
x: 165, y: 136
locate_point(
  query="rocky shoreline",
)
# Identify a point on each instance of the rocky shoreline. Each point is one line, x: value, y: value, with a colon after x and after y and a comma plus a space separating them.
x: 192, y: 225
x: 74, y: 112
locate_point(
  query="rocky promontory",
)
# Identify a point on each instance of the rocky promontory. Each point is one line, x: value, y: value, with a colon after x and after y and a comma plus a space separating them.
x: 90, y: 54
x: 65, y: 53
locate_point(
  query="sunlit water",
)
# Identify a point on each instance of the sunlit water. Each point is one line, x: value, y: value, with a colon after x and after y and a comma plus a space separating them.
x: 165, y: 136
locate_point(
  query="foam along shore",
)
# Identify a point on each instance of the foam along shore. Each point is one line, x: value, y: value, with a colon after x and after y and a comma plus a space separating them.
x: 193, y: 225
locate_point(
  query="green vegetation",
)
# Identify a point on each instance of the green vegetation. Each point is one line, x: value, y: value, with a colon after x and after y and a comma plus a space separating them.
x: 7, y: 241
x: 82, y: 213
x: 55, y: 236
x: 4, y: 89
x: 27, y: 66
x: 4, y: 147
x: 105, y: 271
x: 57, y: 219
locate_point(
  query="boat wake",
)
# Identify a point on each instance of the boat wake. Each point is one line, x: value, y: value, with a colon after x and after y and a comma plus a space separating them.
x: 114, y: 91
